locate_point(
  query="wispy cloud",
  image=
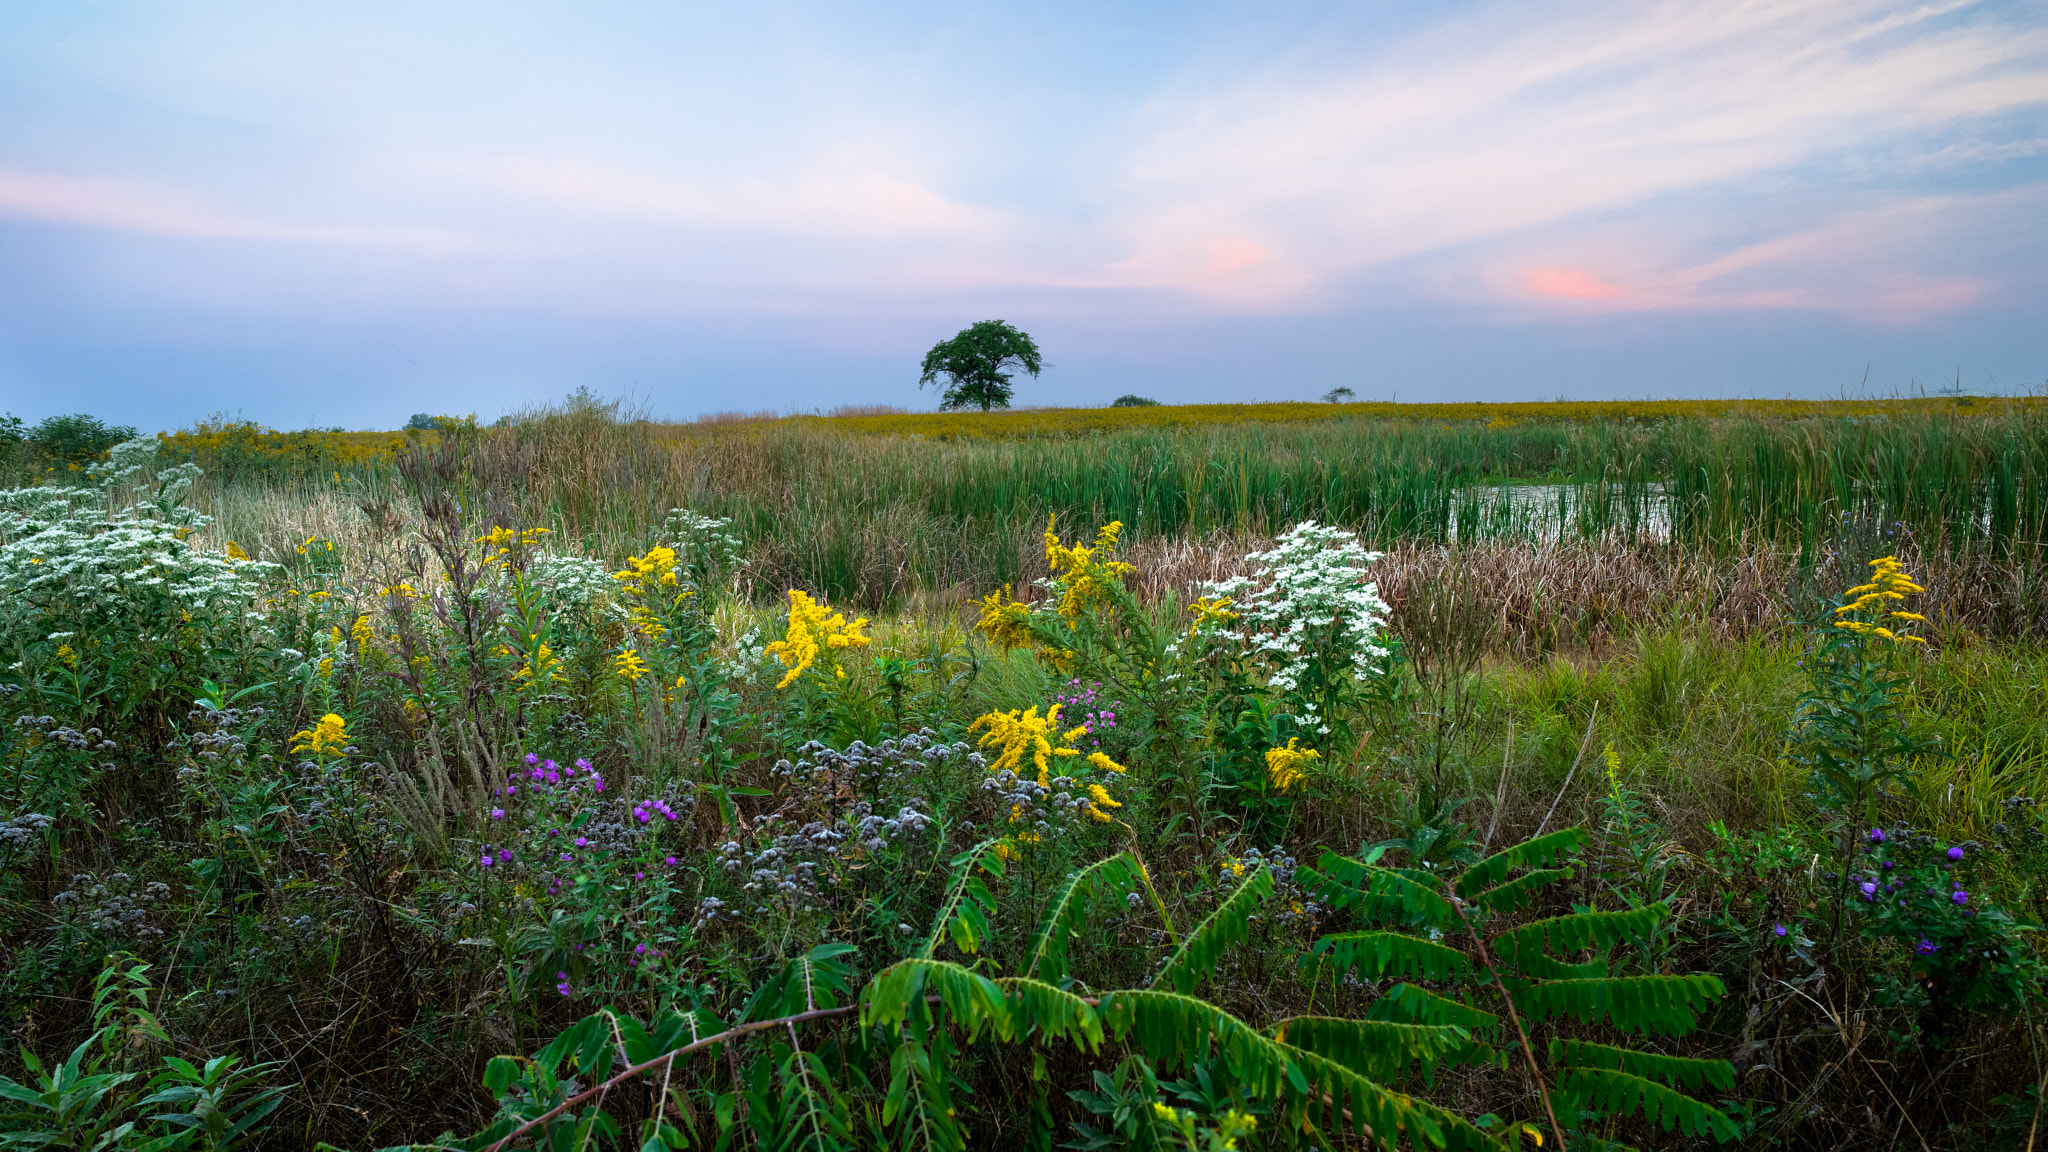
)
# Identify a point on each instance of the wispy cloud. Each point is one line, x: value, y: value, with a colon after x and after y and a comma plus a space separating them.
x: 1466, y: 137
x: 130, y: 206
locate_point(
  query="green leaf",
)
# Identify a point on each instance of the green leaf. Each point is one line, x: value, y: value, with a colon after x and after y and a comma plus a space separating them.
x: 1052, y: 1013
x: 1537, y: 853
x: 1382, y: 893
x: 1419, y: 1006
x: 1175, y: 1030
x: 897, y: 994
x: 1607, y: 1090
x: 1204, y: 946
x: 1512, y: 895
x: 1376, y: 1049
x: 1661, y: 1005
x: 1676, y: 1071
x: 1563, y: 935
x: 1109, y: 878
x: 963, y: 915
x: 1384, y: 953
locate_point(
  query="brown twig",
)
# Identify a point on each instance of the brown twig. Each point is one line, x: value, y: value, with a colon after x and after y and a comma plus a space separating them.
x: 1528, y: 1053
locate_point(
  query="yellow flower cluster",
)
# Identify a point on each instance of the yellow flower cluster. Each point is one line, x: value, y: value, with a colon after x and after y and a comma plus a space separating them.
x: 1286, y: 767
x: 225, y: 446
x: 1005, y: 621
x: 653, y: 577
x: 1023, y: 732
x: 317, y: 545
x: 233, y: 551
x: 500, y: 542
x: 1210, y: 610
x: 1079, y: 573
x: 813, y: 628
x: 402, y: 590
x: 1888, y: 584
x: 630, y: 666
x: 362, y: 634
x: 328, y: 736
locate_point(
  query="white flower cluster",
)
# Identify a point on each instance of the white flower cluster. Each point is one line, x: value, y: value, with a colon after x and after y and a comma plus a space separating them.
x: 577, y: 584
x: 1308, y: 593
x: 68, y: 548
x: 703, y: 544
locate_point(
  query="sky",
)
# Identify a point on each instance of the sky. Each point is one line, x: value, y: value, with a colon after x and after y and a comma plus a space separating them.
x: 341, y: 215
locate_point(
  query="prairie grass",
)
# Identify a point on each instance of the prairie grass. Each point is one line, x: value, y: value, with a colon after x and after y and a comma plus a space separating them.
x: 880, y: 519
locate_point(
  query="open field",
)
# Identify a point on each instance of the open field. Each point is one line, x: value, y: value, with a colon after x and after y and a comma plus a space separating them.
x: 370, y: 760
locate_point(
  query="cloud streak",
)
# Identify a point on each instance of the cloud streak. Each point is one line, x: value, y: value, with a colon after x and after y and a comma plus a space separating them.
x: 129, y: 206
x: 1476, y: 133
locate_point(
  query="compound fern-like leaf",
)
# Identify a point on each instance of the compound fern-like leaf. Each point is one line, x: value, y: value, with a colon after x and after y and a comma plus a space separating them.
x: 1051, y: 1013
x: 1174, y: 1030
x: 964, y: 914
x: 1676, y: 1071
x: 898, y: 992
x: 1563, y: 935
x: 1110, y: 878
x: 1406, y: 1002
x: 1376, y: 1049
x: 1660, y: 1005
x: 1606, y: 1090
x: 1204, y: 946
x: 1376, y: 1112
x: 1513, y: 894
x: 1382, y: 893
x: 1383, y: 953
x: 1543, y: 851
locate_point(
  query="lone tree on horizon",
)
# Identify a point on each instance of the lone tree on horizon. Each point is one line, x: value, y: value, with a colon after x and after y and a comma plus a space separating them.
x: 973, y: 362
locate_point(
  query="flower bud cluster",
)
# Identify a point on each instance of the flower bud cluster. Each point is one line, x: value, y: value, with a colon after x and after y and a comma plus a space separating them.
x: 116, y: 906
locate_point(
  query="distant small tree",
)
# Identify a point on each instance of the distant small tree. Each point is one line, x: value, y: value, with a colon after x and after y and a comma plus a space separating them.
x: 972, y: 364
x: 420, y: 422
x: 1133, y: 400
x: 1339, y: 396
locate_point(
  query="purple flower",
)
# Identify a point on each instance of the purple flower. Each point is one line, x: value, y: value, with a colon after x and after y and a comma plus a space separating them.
x: 583, y: 841
x: 512, y: 790
x: 671, y: 861
x: 504, y: 855
x: 1869, y: 890
x: 1955, y: 853
x: 1877, y: 835
x: 533, y: 758
x: 640, y: 814
x: 1779, y: 929
x: 497, y: 813
x: 1889, y: 864
x: 1927, y: 947
x: 640, y: 948
x: 584, y: 764
x: 487, y: 860
x: 1959, y: 897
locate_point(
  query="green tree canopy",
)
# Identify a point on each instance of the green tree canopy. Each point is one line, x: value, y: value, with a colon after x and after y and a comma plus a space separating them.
x: 972, y: 364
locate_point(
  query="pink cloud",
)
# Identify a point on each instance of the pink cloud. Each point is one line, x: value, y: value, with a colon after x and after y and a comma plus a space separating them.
x: 1570, y: 284
x: 131, y: 207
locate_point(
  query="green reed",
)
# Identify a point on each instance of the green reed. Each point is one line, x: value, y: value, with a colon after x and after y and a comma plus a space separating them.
x: 872, y: 518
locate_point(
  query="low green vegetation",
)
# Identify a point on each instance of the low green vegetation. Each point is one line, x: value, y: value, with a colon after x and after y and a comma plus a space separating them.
x: 447, y: 803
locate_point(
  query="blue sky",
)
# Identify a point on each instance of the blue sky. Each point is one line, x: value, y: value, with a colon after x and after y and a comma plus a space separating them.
x: 341, y: 215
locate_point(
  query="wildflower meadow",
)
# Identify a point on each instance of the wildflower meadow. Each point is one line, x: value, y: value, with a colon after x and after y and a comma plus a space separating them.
x: 1178, y: 786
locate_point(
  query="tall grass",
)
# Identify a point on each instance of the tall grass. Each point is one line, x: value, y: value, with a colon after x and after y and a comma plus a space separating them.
x: 873, y: 519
